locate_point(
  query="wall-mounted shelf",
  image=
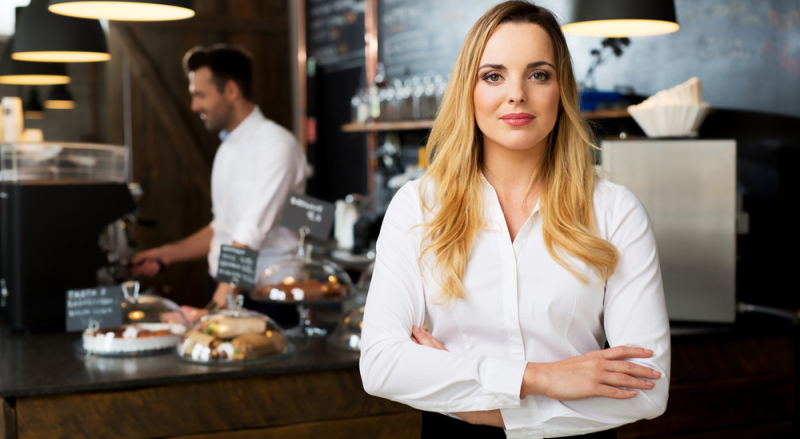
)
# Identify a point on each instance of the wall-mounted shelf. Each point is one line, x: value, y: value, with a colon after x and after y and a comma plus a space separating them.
x: 388, y: 126
x: 428, y: 124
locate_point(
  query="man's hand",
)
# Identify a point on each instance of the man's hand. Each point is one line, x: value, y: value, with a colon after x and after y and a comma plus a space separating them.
x: 224, y: 290
x: 149, y: 263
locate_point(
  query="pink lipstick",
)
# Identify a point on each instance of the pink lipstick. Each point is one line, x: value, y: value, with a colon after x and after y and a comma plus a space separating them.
x: 518, y: 119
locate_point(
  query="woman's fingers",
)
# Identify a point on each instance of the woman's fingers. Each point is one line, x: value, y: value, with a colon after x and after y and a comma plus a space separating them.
x: 420, y: 337
x: 426, y: 339
x: 632, y: 369
x: 613, y: 392
x: 620, y: 352
x: 623, y: 380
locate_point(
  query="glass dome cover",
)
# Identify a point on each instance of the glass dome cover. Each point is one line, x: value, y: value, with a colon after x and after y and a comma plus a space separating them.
x: 302, y: 281
x: 347, y: 335
x: 149, y: 323
x: 234, y: 336
x: 366, y: 278
x: 348, y: 332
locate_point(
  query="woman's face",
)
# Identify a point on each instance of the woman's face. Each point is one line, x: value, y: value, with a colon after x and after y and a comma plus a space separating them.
x: 516, y: 94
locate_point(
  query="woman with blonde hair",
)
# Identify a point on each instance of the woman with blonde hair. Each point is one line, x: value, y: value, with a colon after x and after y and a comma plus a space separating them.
x: 518, y: 259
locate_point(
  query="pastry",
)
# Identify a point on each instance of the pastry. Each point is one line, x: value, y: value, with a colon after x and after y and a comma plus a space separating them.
x: 292, y: 291
x: 133, y: 338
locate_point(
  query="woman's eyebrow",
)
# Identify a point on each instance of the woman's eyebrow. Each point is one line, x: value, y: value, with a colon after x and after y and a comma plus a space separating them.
x: 529, y: 66
x: 540, y: 63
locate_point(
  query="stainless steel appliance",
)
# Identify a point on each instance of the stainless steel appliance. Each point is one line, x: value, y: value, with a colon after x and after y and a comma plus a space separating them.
x: 689, y: 190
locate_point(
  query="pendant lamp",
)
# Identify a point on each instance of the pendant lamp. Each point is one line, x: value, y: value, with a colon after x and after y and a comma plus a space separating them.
x: 59, y: 98
x: 125, y: 10
x: 32, y: 108
x: 47, y: 37
x: 623, y: 18
x: 30, y: 73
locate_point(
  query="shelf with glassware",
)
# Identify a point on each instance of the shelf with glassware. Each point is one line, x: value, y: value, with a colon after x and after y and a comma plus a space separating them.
x: 402, y: 104
x: 405, y: 125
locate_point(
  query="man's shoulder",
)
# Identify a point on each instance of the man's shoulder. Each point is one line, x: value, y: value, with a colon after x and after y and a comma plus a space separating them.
x: 270, y: 134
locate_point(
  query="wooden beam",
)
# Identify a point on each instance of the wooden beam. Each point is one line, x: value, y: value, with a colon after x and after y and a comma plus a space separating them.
x: 168, y: 111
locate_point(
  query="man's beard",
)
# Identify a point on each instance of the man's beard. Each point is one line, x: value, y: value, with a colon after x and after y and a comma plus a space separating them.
x: 213, y: 123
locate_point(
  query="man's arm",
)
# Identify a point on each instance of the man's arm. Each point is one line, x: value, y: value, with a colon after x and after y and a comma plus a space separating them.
x: 194, y: 247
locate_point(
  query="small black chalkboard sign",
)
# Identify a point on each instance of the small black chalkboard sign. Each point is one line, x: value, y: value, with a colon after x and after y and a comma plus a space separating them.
x: 237, y: 266
x: 302, y: 210
x: 103, y: 305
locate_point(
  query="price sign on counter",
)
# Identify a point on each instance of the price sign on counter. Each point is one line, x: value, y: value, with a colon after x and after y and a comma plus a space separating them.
x: 302, y: 210
x: 237, y: 266
x: 102, y: 305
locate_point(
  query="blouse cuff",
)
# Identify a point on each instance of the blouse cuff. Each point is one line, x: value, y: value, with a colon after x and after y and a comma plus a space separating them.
x: 503, y: 378
x: 523, y: 422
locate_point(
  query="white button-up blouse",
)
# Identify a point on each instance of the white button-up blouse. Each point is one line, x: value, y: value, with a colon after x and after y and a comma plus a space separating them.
x: 520, y: 306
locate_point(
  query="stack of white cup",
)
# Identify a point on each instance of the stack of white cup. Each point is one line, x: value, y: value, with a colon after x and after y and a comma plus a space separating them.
x: 675, y: 112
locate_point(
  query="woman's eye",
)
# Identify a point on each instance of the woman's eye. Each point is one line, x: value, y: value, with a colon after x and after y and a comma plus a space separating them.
x: 540, y: 76
x: 492, y: 77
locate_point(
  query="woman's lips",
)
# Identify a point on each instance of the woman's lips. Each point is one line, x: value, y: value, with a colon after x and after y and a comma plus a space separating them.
x: 518, y: 119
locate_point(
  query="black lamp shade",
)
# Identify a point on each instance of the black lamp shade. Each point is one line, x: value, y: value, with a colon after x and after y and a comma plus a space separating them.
x: 30, y: 73
x: 59, y: 98
x: 47, y: 37
x: 125, y: 10
x: 32, y: 108
x: 623, y: 18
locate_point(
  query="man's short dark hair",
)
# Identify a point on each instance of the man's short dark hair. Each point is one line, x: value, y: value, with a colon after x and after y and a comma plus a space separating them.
x: 226, y: 64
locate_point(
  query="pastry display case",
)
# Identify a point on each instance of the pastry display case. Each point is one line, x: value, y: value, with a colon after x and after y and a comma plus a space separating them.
x: 234, y: 336
x: 347, y: 335
x: 150, y: 324
x: 305, y: 282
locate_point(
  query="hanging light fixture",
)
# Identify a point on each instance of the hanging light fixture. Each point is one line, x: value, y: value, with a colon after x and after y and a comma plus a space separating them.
x: 32, y: 108
x: 623, y: 18
x: 59, y: 98
x: 43, y: 36
x: 125, y: 10
x: 30, y: 73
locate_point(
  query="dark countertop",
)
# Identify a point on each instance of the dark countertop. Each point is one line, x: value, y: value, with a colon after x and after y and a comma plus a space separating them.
x: 47, y: 363
x: 41, y: 364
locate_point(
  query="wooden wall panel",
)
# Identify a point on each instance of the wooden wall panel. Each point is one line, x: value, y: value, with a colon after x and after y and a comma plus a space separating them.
x: 175, y: 202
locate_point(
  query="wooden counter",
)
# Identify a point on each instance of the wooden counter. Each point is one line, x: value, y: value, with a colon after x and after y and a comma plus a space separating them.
x: 727, y: 382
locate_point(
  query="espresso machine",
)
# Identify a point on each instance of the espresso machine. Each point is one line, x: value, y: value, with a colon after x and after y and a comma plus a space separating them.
x: 57, y: 203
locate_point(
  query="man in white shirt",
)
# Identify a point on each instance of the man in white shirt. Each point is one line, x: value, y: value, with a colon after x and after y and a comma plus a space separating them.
x: 257, y: 166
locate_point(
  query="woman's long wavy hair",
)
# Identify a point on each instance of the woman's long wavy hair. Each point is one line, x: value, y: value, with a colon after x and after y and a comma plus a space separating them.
x: 454, y: 155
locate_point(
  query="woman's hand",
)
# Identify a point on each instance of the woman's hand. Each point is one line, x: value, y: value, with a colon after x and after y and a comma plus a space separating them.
x: 598, y: 373
x: 489, y: 417
x: 421, y: 337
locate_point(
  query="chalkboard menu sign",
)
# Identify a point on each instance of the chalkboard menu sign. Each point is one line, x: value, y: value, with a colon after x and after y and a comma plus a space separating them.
x: 336, y: 33
x: 746, y: 52
x: 237, y: 266
x: 103, y: 305
x: 417, y: 36
x: 304, y: 211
